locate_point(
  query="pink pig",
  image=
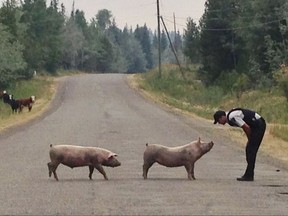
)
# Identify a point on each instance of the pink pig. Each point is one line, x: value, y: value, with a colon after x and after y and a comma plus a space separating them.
x: 77, y: 156
x: 185, y: 155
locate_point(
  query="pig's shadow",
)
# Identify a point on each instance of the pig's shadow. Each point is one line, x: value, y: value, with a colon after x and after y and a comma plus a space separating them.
x: 120, y: 180
x: 168, y: 179
x: 77, y: 180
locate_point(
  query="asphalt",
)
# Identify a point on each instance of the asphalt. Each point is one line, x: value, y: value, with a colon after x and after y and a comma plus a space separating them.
x: 102, y: 110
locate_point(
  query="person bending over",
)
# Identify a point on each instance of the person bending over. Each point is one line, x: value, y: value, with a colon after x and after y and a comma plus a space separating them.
x: 254, y: 127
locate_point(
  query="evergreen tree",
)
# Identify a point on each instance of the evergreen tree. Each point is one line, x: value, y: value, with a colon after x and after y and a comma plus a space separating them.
x: 74, y: 42
x: 103, y: 18
x: 8, y: 15
x: 43, y: 43
x: 177, y: 41
x: 11, y: 59
x: 191, y: 42
x: 143, y: 36
x: 133, y: 52
x: 164, y: 41
x: 100, y: 50
x: 217, y: 39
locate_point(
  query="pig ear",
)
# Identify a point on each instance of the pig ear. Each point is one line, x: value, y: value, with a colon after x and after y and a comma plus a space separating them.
x: 199, y: 139
x: 111, y: 155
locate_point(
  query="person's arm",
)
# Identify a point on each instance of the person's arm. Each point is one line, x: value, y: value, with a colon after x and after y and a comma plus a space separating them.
x: 247, y: 130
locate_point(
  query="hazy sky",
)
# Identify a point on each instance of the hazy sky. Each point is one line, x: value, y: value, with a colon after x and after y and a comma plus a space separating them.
x: 133, y: 12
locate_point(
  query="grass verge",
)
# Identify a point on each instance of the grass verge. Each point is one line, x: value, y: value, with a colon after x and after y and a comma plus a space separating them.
x: 191, y: 96
x: 43, y: 87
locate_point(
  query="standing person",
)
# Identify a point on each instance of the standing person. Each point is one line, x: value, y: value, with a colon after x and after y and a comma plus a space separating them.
x: 254, y: 127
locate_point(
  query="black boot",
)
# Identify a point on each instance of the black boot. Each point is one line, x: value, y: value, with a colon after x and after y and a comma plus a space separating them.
x: 246, y: 178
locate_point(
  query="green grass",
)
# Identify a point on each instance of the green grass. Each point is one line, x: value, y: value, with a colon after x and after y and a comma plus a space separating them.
x: 280, y: 131
x: 39, y: 87
x: 191, y: 95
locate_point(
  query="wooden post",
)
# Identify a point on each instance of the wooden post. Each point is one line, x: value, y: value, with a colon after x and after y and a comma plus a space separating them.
x: 159, y: 39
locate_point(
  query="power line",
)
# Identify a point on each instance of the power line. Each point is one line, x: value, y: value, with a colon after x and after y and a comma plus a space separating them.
x: 236, y: 28
x: 246, y: 27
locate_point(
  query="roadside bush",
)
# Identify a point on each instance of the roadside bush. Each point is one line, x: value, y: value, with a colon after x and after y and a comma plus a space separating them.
x: 281, y: 77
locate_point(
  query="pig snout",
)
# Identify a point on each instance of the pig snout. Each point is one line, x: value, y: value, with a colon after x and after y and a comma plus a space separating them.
x: 112, y: 161
x: 207, y: 146
x: 115, y: 163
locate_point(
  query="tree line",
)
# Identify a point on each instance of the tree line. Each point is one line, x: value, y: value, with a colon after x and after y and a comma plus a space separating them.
x: 240, y: 44
x: 35, y: 36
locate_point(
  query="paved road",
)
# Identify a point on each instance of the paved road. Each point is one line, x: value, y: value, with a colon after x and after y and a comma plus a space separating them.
x: 101, y: 110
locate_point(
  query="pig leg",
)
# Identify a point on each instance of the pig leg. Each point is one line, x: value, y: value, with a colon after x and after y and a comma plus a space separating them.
x: 101, y: 170
x: 146, y: 167
x: 52, y: 168
x: 190, y: 171
x: 91, y: 169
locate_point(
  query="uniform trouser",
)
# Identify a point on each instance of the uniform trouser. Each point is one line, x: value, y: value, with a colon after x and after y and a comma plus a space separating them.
x: 253, y: 144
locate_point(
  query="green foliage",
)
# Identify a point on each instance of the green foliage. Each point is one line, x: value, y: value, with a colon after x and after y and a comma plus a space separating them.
x: 280, y: 131
x: 189, y: 94
x: 191, y: 42
x: 249, y: 37
x: 38, y: 87
x: 104, y: 19
x: 47, y: 40
x: 142, y: 35
x: 281, y: 77
x: 73, y: 45
x: 11, y: 59
x: 217, y: 39
x: 164, y: 41
x: 43, y: 45
x: 192, y: 95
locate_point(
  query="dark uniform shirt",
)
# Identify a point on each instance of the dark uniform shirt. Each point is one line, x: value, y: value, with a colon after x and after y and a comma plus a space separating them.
x: 238, y: 117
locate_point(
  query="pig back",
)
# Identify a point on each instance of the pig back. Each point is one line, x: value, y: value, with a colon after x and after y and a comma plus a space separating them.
x: 75, y: 156
x: 167, y: 156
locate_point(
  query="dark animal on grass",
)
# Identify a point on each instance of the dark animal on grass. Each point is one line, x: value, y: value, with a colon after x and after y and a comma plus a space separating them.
x: 26, y: 102
x: 5, y: 97
x: 15, y: 106
x: 185, y: 155
x: 78, y: 156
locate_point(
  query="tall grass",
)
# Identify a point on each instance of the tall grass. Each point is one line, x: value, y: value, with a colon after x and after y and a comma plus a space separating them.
x: 193, y: 96
x: 39, y: 87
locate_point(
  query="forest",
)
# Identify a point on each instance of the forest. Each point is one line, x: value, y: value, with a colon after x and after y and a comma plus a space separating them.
x: 39, y: 37
x: 238, y: 44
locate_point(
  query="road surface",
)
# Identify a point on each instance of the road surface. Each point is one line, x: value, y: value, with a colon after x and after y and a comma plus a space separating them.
x: 102, y: 110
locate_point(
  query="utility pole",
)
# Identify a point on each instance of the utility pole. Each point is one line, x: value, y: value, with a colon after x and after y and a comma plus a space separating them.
x: 175, y: 34
x: 159, y: 39
x: 173, y: 49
